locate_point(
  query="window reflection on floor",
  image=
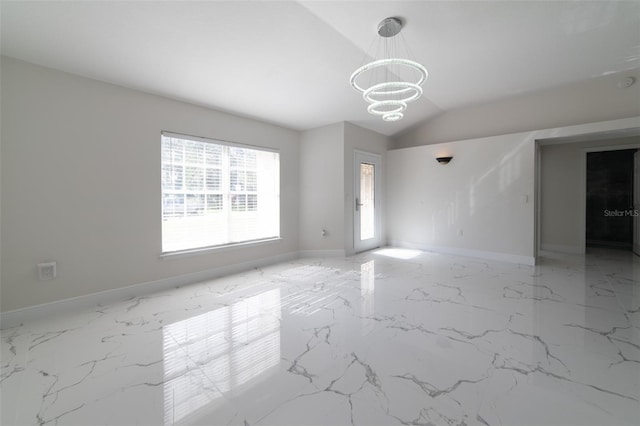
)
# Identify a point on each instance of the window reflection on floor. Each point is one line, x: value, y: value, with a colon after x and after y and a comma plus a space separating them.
x: 217, y: 352
x: 367, y: 289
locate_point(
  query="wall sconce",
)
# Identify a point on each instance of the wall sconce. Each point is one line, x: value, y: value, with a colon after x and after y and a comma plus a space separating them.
x: 444, y: 160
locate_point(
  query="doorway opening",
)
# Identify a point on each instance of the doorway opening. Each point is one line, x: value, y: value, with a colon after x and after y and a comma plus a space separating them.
x: 560, y: 186
x: 610, y: 206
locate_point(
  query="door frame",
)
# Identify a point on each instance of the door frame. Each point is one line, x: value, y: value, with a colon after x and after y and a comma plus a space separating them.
x: 375, y: 159
x: 635, y: 248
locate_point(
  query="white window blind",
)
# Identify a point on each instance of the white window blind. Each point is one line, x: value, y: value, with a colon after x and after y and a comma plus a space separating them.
x: 216, y: 193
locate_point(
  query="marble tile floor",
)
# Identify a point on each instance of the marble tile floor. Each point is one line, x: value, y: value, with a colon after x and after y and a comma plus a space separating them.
x: 386, y: 337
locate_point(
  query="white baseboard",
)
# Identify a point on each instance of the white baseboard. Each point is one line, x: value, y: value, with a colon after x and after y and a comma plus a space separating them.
x: 481, y: 254
x: 16, y: 317
x: 562, y: 248
x: 322, y: 253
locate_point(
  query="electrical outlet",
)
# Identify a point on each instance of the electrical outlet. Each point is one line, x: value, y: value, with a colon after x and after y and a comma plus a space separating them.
x: 46, y: 271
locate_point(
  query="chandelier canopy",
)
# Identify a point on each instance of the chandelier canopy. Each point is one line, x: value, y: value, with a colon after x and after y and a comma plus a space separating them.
x: 389, y: 83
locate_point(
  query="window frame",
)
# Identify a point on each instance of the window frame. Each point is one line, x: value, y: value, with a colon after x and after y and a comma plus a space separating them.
x: 224, y: 181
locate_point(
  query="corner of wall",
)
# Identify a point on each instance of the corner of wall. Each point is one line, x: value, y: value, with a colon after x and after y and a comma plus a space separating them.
x: 321, y: 181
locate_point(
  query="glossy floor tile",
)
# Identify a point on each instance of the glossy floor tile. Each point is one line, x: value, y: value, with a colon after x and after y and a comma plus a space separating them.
x: 386, y: 337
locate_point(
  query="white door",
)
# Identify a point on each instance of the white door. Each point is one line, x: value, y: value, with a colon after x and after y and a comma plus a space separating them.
x: 636, y: 202
x: 367, y: 203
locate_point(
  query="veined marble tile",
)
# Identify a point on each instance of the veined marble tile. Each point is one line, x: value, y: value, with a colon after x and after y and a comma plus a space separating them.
x: 386, y: 337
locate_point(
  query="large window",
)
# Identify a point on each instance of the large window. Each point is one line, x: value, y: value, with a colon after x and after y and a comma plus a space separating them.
x: 216, y: 193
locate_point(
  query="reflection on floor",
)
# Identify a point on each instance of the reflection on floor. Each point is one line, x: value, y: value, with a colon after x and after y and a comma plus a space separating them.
x: 385, y: 337
x: 232, y: 344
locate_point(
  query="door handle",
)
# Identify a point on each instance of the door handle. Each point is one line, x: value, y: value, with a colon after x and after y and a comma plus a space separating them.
x: 358, y: 204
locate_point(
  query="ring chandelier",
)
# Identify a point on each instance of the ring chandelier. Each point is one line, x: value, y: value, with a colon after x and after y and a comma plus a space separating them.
x: 387, y: 92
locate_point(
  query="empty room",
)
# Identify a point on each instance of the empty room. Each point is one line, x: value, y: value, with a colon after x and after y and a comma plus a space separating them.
x: 320, y: 213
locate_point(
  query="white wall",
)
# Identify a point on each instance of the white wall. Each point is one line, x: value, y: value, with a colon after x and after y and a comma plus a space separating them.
x: 81, y: 184
x: 357, y: 138
x: 321, y: 188
x: 480, y: 192
x: 562, y: 180
x: 586, y: 102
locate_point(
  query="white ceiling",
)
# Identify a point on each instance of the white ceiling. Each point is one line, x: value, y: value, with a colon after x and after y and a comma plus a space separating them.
x: 289, y: 62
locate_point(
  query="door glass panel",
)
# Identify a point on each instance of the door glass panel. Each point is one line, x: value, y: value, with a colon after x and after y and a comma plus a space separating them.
x: 367, y: 191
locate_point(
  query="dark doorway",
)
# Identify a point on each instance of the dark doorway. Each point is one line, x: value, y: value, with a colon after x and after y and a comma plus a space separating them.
x: 610, y: 199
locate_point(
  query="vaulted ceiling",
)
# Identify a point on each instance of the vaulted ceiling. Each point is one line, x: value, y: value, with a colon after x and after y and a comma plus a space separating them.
x: 289, y: 62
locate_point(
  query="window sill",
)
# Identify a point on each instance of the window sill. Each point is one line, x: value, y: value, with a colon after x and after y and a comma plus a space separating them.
x: 217, y: 249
